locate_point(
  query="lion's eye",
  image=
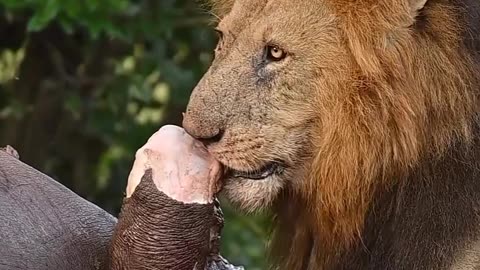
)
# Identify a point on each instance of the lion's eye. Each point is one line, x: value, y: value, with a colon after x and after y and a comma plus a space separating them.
x: 275, y: 54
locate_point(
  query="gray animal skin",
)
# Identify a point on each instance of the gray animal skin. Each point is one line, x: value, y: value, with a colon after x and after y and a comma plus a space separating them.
x: 44, y: 225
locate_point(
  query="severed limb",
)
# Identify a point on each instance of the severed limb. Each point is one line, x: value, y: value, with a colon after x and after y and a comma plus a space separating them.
x: 170, y: 218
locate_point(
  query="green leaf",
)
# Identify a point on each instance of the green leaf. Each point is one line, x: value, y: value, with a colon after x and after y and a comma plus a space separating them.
x: 67, y: 25
x: 14, y: 4
x: 92, y: 5
x: 46, y: 13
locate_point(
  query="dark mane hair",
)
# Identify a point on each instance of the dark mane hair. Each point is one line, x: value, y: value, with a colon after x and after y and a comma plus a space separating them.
x: 403, y: 146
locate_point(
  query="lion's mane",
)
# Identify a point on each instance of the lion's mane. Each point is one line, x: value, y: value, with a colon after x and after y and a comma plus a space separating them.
x: 412, y: 94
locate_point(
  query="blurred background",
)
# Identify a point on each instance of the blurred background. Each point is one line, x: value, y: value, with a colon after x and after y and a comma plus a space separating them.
x: 83, y: 84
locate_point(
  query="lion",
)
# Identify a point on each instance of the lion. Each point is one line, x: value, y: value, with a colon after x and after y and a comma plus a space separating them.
x: 356, y: 122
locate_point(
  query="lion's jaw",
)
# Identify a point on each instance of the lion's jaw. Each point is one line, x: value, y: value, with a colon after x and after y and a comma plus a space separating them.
x: 259, y: 113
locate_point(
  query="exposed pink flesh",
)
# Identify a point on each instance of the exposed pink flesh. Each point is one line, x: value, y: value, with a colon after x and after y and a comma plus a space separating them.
x: 181, y: 166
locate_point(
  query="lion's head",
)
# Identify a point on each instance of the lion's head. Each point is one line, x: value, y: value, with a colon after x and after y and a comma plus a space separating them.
x: 315, y: 105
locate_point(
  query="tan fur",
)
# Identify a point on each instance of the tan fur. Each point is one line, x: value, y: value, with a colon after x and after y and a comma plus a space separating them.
x: 221, y: 8
x: 378, y: 98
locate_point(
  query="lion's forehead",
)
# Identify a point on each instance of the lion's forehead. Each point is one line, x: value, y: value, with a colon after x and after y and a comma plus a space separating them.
x: 280, y: 16
x: 242, y: 14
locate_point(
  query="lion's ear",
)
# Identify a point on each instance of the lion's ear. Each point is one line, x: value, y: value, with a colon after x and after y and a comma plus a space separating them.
x: 221, y: 7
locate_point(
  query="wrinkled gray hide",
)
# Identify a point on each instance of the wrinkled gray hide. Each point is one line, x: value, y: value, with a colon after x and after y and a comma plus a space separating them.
x: 44, y: 225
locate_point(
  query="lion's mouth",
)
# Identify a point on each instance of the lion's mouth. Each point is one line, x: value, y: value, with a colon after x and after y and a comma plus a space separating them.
x: 264, y: 172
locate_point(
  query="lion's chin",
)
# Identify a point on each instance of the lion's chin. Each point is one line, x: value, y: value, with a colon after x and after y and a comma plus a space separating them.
x: 252, y: 195
x: 254, y: 187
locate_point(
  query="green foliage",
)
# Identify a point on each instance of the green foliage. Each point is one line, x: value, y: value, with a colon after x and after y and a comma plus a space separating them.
x: 83, y: 84
x: 95, y: 15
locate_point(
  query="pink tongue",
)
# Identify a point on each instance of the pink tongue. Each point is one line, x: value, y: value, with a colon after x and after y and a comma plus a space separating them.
x: 181, y: 166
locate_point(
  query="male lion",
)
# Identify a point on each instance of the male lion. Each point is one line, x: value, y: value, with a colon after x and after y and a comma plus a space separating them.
x: 357, y: 121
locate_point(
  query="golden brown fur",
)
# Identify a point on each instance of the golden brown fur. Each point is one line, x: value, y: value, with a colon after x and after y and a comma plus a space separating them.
x: 396, y: 88
x: 393, y: 115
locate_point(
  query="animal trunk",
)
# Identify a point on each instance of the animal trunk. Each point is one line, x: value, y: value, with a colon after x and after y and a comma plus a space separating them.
x: 156, y: 232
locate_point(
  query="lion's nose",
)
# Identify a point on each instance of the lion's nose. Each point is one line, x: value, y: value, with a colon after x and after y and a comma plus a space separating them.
x: 201, y: 129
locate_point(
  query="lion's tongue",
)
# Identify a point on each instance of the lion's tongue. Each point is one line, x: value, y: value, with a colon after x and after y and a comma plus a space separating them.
x: 181, y: 166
